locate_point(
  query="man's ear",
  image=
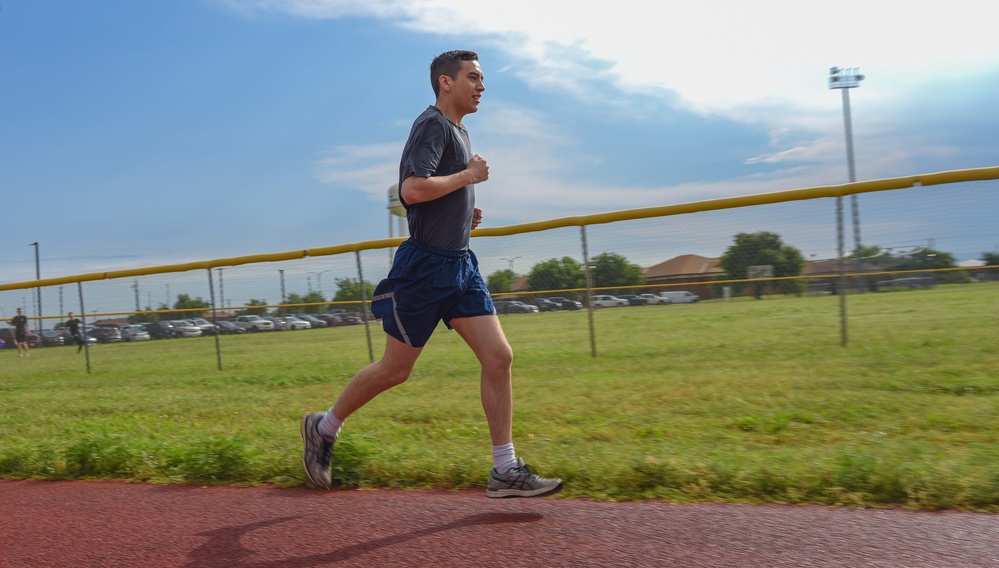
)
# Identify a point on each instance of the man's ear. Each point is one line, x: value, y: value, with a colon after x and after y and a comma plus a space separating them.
x: 445, y: 83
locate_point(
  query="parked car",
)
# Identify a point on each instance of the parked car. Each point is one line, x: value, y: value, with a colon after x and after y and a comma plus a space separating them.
x: 254, y: 323
x: 279, y: 323
x: 229, y: 328
x: 184, y: 328
x: 206, y: 327
x: 566, y: 303
x: 514, y: 307
x: 680, y: 297
x: 68, y: 338
x: 653, y: 299
x: 51, y: 338
x: 634, y: 300
x: 313, y: 320
x: 293, y: 323
x: 351, y: 319
x: 332, y: 319
x: 105, y: 334
x: 134, y: 333
x: 606, y: 301
x: 159, y: 329
x: 7, y: 335
x: 546, y: 305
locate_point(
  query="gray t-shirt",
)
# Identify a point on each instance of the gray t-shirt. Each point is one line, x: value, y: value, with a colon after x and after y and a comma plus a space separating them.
x: 438, y: 147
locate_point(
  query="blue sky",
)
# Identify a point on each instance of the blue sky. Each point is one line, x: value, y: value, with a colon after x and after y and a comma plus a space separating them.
x: 141, y: 133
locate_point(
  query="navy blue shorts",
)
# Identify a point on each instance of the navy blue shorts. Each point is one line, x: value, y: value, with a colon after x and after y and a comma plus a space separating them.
x: 425, y: 286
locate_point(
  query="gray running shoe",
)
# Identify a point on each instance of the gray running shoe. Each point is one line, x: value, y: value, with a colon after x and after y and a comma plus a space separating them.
x: 520, y: 481
x: 318, y: 452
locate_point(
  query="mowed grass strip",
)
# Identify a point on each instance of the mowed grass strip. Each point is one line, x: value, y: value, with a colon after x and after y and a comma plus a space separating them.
x: 742, y: 401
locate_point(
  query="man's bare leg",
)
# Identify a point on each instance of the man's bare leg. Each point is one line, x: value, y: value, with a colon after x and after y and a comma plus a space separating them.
x: 320, y: 429
x: 486, y: 338
x: 509, y: 476
x: 391, y: 370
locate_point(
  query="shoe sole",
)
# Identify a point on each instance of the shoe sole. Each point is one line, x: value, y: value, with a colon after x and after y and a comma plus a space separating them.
x: 510, y: 493
x: 305, y: 465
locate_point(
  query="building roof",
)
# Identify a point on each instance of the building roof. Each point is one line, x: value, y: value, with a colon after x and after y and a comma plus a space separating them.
x: 685, y: 265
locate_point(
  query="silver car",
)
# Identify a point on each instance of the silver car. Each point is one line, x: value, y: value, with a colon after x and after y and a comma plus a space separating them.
x: 134, y: 333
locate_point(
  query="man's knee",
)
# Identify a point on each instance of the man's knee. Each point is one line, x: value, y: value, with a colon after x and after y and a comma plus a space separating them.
x: 499, y: 356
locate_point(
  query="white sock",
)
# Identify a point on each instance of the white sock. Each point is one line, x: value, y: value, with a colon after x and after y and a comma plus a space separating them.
x: 504, y: 458
x: 329, y: 426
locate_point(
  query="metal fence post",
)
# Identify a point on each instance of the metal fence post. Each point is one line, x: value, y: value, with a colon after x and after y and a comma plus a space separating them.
x: 215, y: 317
x: 83, y: 320
x: 842, y: 272
x: 589, y: 291
x: 364, y: 305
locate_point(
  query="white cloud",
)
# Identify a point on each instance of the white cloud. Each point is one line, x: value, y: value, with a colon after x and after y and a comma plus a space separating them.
x: 729, y: 58
x: 763, y: 62
x: 365, y: 168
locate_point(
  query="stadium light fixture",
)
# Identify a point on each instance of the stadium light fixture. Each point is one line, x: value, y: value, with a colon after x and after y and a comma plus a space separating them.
x: 846, y: 79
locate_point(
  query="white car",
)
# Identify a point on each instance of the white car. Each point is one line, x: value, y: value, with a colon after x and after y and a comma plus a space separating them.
x: 184, y: 328
x: 134, y: 333
x: 206, y: 327
x: 293, y: 323
x: 604, y: 301
x: 680, y: 297
x: 254, y: 323
x: 652, y: 299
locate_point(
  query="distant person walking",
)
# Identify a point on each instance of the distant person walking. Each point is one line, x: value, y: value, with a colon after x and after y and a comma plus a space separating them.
x: 436, y: 277
x: 74, y: 330
x: 20, y: 323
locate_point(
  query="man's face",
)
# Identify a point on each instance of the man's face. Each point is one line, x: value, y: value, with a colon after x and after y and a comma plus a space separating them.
x: 467, y: 87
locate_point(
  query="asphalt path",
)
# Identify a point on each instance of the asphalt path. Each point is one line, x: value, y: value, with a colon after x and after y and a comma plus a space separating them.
x: 81, y: 524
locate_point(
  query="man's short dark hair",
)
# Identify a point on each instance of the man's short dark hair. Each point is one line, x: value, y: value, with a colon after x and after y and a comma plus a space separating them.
x: 448, y: 63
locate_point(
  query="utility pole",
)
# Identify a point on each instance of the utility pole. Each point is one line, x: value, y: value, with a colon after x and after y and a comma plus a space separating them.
x: 38, y: 276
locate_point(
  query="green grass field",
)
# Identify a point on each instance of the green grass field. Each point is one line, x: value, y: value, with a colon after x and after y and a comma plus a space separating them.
x: 742, y: 401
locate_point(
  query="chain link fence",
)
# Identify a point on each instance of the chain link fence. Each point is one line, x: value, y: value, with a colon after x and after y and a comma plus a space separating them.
x: 916, y: 232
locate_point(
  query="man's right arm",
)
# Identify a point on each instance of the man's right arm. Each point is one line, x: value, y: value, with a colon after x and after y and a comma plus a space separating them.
x: 418, y: 189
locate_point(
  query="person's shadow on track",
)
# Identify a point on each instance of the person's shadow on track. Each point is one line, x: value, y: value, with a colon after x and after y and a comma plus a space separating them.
x: 224, y: 546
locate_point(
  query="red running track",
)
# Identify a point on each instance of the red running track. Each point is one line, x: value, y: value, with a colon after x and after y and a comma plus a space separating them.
x: 80, y: 524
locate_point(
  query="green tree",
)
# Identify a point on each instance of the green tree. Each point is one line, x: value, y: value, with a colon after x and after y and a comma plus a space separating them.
x: 555, y: 274
x: 929, y: 259
x: 501, y: 281
x: 990, y: 258
x: 612, y: 270
x: 195, y: 307
x: 294, y: 303
x: 144, y: 316
x: 252, y: 310
x: 349, y: 289
x: 763, y: 248
x: 872, y: 255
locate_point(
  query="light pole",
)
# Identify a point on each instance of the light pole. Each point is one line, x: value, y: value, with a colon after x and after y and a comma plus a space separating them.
x: 38, y: 276
x: 319, y: 280
x: 510, y: 260
x: 221, y: 287
x: 846, y: 79
x: 284, y: 299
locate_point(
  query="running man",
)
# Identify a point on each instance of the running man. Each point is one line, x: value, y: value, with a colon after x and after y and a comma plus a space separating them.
x: 20, y: 323
x: 74, y: 330
x: 435, y: 277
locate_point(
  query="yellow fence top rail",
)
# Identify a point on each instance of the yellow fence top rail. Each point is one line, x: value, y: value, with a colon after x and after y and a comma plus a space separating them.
x: 954, y: 176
